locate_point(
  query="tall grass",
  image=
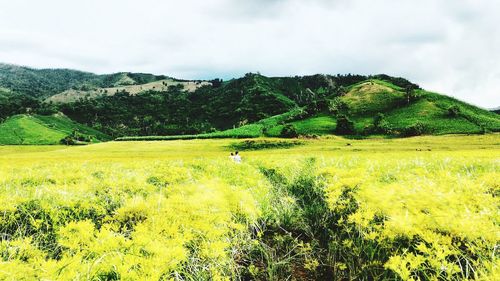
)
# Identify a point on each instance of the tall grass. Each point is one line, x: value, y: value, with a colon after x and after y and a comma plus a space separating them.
x: 131, y: 211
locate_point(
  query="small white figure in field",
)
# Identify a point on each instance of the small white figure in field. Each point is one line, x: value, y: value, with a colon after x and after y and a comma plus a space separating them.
x: 237, y: 157
x: 231, y: 157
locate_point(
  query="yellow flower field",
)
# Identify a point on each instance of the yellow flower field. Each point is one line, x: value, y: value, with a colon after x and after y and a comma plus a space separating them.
x: 424, y: 208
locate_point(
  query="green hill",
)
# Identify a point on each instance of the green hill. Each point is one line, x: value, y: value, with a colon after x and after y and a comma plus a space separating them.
x: 43, y: 83
x: 135, y: 104
x: 371, y: 98
x: 38, y: 129
x: 375, y: 107
x: 438, y: 114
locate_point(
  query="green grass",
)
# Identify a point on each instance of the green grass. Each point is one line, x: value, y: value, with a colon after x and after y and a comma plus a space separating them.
x: 431, y: 110
x: 38, y: 129
x: 24, y: 129
x: 64, y: 124
x: 321, y: 124
x: 433, y: 117
x: 373, y: 96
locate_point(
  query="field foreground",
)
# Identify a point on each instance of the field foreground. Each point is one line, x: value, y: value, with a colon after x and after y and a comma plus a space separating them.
x: 422, y: 208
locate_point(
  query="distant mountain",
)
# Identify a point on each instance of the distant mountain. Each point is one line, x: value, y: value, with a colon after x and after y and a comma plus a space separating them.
x: 134, y: 104
x: 43, y: 83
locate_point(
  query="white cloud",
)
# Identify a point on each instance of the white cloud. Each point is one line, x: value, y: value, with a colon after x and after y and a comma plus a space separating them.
x: 450, y: 46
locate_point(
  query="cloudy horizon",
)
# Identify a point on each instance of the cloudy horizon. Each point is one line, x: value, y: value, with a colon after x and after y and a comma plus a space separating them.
x: 445, y: 46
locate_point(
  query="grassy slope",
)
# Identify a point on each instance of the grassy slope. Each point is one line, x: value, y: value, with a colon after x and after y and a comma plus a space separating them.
x: 64, y: 124
x: 432, y: 110
x: 23, y: 129
x: 27, y: 129
x: 368, y: 98
x: 373, y: 96
x: 321, y: 124
x: 365, y: 99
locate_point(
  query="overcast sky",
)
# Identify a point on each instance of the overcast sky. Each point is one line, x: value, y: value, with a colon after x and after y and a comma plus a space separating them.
x: 448, y: 46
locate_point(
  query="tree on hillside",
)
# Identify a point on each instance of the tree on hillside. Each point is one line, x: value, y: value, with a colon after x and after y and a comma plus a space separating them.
x: 338, y: 107
x: 289, y: 131
x: 410, y: 94
x: 341, y: 91
x: 454, y: 111
x: 378, y: 119
x: 416, y: 129
x: 344, y: 125
x: 380, y: 124
x: 216, y: 83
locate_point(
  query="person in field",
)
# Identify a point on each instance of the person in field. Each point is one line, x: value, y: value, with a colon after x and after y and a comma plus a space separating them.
x: 237, y: 157
x: 231, y: 157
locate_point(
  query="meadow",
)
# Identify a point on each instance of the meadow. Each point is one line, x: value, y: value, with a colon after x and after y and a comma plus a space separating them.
x: 421, y: 208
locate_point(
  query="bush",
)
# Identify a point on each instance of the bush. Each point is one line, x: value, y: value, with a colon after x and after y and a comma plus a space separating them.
x: 380, y: 125
x: 378, y: 119
x: 263, y: 144
x: 454, y: 111
x: 338, y: 106
x: 68, y: 140
x: 416, y: 129
x: 344, y: 126
x: 289, y: 131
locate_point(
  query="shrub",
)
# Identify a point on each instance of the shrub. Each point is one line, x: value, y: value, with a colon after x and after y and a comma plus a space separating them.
x: 68, y: 140
x: 344, y: 126
x: 264, y: 144
x: 380, y: 125
x: 289, y: 131
x: 378, y: 119
x: 454, y: 111
x: 338, y: 106
x: 416, y: 129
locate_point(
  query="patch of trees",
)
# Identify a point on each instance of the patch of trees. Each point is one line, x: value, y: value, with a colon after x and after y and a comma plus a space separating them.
x: 289, y: 131
x: 416, y: 129
x: 76, y: 138
x: 454, y: 111
x: 175, y: 111
x: 16, y: 104
x: 398, y: 81
x: 344, y: 125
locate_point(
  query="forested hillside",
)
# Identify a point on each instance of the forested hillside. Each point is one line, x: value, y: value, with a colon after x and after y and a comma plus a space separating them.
x: 131, y: 104
x: 222, y: 105
x: 43, y: 83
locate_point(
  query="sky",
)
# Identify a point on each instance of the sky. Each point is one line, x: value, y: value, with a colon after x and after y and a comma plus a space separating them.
x: 447, y: 46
